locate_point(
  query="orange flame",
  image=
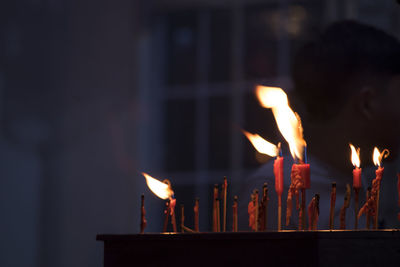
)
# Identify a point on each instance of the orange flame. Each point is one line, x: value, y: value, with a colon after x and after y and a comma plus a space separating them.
x: 161, y: 189
x: 355, y: 156
x: 288, y: 122
x: 262, y: 145
x: 378, y: 156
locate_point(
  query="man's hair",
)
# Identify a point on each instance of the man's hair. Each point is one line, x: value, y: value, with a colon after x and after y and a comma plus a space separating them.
x: 345, y: 57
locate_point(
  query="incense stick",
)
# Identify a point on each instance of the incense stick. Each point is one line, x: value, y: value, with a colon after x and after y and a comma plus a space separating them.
x: 368, y: 213
x: 142, y: 217
x: 215, y: 196
x: 302, y: 220
x: 264, y: 208
x: 256, y: 210
x: 196, y: 215
x: 332, y: 209
x: 225, y: 188
x: 356, y: 196
x: 166, y: 211
x: 377, y: 209
x: 182, y: 218
x: 218, y: 215
x: 235, y: 218
x: 344, y: 207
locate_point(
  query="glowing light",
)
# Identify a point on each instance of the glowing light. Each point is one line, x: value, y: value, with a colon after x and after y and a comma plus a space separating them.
x: 161, y: 189
x: 355, y: 156
x: 262, y: 145
x: 378, y: 156
x: 288, y: 122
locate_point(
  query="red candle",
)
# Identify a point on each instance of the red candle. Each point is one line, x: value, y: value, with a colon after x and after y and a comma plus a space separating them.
x: 305, y: 174
x: 357, y: 178
x: 278, y: 172
x: 379, y: 173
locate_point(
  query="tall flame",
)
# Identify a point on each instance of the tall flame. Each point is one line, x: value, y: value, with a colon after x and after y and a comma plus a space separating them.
x: 378, y: 156
x: 289, y: 123
x: 161, y: 189
x: 262, y: 145
x: 355, y: 156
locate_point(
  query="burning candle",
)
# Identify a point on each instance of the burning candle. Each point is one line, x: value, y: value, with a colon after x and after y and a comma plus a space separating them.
x: 377, y: 158
x: 163, y: 190
x: 267, y: 148
x: 355, y: 160
x: 371, y: 207
x: 289, y: 124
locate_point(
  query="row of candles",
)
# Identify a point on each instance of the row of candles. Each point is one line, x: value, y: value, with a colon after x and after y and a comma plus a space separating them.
x: 289, y: 124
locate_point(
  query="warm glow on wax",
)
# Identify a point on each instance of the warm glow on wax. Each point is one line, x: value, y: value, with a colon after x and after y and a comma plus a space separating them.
x: 355, y: 156
x: 288, y: 122
x: 262, y: 145
x: 160, y: 189
x: 378, y: 156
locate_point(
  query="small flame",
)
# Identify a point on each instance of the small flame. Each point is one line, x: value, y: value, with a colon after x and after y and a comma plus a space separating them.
x: 262, y: 145
x: 378, y: 156
x: 355, y: 156
x: 289, y: 122
x: 161, y: 189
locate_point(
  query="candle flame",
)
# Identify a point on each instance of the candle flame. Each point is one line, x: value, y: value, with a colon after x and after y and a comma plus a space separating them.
x: 288, y: 122
x: 161, y: 189
x: 355, y: 156
x: 378, y: 156
x: 262, y: 145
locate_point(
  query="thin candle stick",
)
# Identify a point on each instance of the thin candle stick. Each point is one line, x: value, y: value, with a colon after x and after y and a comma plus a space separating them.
x: 182, y: 218
x: 368, y: 216
x: 218, y: 215
x: 256, y: 210
x: 166, y: 211
x: 264, y: 208
x: 332, y: 209
x: 377, y: 210
x: 173, y: 221
x: 279, y: 212
x: 196, y: 215
x: 225, y: 188
x: 356, y: 208
x: 346, y: 204
x: 143, y: 221
x: 235, y: 214
x: 215, y: 196
x: 303, y: 209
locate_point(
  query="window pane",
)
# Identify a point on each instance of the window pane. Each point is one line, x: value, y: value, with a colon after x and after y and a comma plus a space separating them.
x: 260, y: 43
x: 220, y: 46
x: 220, y: 133
x: 181, y: 48
x: 180, y: 134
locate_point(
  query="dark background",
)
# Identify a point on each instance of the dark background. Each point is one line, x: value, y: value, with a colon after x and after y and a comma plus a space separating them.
x: 94, y: 92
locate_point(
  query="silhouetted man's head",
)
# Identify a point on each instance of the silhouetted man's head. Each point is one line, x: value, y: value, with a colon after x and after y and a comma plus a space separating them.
x: 345, y: 58
x: 352, y: 72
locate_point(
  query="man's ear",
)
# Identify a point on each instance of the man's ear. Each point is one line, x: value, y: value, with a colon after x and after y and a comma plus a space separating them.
x: 367, y: 102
